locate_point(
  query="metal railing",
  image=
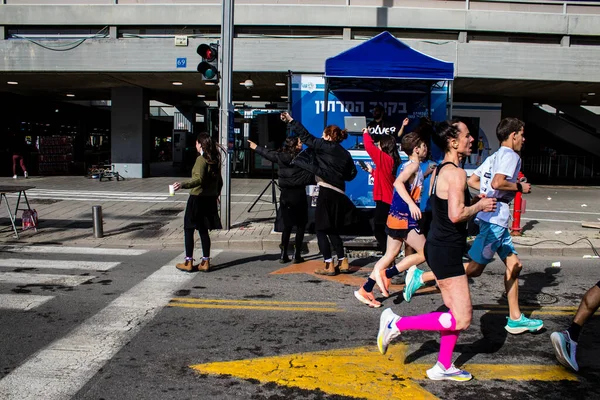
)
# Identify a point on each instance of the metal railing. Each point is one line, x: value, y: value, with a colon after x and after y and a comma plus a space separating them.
x: 561, y: 167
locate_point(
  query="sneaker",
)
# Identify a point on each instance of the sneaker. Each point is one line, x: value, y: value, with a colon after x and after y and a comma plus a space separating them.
x: 523, y: 324
x: 366, y: 298
x: 387, y: 329
x: 26, y: 175
x: 14, y: 177
x: 412, y: 283
x: 439, y: 373
x: 564, y: 349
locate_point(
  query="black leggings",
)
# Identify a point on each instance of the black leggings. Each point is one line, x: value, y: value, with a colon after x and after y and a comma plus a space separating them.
x: 324, y: 240
x: 188, y: 235
x: 285, y: 239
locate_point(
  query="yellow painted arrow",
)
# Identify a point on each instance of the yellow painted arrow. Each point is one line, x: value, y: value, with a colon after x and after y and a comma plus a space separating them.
x: 363, y: 372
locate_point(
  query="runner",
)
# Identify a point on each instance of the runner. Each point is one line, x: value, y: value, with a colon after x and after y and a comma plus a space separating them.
x: 498, y: 177
x: 444, y: 249
x: 565, y: 342
x: 401, y: 222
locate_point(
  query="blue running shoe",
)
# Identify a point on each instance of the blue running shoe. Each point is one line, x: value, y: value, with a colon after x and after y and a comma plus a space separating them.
x: 565, y: 349
x: 412, y: 283
x: 523, y: 324
x: 387, y: 329
x: 439, y: 373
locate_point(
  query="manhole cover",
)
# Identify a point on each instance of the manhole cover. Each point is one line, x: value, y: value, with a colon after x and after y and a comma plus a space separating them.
x: 533, y: 298
x: 163, y: 212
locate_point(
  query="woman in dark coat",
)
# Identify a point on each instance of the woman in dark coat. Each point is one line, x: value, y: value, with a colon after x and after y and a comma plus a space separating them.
x: 201, y: 211
x: 292, y: 182
x: 332, y: 166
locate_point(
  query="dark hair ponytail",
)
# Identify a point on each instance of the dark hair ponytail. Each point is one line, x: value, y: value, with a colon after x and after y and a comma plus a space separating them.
x: 290, y: 146
x: 444, y: 132
x: 211, y: 151
x: 388, y: 146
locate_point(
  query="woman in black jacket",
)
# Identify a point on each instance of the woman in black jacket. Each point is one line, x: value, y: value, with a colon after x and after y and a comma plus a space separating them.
x: 292, y: 182
x: 332, y: 166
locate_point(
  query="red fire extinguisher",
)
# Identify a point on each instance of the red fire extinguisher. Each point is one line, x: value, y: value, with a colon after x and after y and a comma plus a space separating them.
x: 518, y: 209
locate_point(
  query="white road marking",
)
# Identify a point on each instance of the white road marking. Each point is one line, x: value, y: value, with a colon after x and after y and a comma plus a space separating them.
x: 73, y: 250
x: 570, y: 221
x: 58, y: 264
x: 43, y: 279
x: 564, y: 212
x: 58, y: 371
x: 22, y: 302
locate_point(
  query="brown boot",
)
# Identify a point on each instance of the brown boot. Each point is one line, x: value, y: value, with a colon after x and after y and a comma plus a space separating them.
x: 329, y: 269
x: 343, y: 266
x: 204, y: 265
x: 187, y: 266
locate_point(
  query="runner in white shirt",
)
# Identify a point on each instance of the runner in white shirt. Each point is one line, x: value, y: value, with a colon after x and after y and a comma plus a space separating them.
x: 498, y: 177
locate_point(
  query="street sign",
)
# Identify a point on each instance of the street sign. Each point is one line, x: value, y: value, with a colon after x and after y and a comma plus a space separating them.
x: 182, y: 62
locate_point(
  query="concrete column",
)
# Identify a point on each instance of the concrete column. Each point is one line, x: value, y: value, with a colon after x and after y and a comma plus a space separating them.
x: 462, y: 37
x: 347, y: 34
x: 565, y: 41
x: 2, y: 32
x: 112, y: 32
x: 130, y: 132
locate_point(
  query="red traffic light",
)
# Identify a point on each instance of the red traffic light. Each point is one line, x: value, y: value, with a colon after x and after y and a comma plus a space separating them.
x: 208, y: 53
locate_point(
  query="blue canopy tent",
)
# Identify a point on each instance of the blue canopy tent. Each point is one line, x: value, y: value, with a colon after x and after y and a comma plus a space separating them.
x: 384, y: 63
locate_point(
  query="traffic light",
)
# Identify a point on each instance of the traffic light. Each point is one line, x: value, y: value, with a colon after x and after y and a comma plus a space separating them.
x: 208, y: 66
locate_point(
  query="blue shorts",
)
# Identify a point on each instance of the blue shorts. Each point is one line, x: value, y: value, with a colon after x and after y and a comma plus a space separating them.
x: 492, y: 239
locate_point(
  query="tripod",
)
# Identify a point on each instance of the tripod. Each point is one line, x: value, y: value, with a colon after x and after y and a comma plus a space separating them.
x: 272, y: 185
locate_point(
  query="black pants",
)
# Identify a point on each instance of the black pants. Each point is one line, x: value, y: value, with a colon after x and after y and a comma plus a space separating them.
x: 382, y: 210
x: 285, y: 239
x: 188, y: 235
x: 326, y: 240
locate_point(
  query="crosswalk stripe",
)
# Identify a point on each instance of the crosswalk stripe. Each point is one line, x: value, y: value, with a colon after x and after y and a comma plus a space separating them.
x: 73, y: 250
x: 58, y: 264
x: 22, y: 302
x: 62, y: 368
x: 43, y: 279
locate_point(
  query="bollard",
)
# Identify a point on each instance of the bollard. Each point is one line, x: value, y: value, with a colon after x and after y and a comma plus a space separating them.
x: 518, y: 209
x: 97, y: 220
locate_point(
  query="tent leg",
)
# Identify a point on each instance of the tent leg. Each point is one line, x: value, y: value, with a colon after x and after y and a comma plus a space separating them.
x: 289, y: 91
x: 326, y: 103
x: 449, y: 99
x: 429, y: 101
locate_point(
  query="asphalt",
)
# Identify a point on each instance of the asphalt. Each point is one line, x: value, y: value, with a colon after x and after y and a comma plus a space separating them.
x: 140, y: 213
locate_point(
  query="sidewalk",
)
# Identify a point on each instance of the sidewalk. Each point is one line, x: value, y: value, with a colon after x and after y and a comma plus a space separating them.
x: 139, y: 212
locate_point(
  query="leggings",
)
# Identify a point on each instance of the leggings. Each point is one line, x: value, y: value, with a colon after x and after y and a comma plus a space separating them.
x: 19, y: 158
x: 188, y: 235
x: 285, y: 239
x: 324, y: 240
x: 382, y: 210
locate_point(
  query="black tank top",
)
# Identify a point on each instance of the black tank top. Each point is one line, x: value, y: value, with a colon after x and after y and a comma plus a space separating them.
x: 443, y: 231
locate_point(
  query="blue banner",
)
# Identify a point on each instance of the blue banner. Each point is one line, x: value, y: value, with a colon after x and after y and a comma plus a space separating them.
x: 308, y: 106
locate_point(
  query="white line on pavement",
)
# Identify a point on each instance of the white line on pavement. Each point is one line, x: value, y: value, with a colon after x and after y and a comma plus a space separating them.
x: 43, y: 279
x: 570, y: 221
x: 22, y: 302
x: 564, y: 212
x: 58, y: 371
x: 58, y: 264
x: 73, y: 250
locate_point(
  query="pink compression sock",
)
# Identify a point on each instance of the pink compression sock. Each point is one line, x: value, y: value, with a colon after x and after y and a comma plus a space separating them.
x: 435, y: 321
x: 447, y: 343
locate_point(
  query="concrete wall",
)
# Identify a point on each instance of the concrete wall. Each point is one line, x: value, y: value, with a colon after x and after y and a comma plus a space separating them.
x: 473, y: 59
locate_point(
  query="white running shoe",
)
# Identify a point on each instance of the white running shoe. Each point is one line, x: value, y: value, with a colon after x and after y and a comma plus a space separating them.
x: 565, y: 349
x: 439, y: 373
x: 387, y: 329
x: 26, y: 175
x: 14, y: 177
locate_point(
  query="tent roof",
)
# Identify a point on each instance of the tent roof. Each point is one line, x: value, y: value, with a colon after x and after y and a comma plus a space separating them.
x: 385, y: 57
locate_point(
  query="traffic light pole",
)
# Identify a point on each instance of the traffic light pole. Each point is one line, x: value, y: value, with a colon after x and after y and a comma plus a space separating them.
x: 226, y: 112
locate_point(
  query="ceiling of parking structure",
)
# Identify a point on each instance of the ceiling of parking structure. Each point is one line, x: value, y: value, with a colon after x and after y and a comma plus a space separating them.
x: 96, y: 86
x: 492, y: 90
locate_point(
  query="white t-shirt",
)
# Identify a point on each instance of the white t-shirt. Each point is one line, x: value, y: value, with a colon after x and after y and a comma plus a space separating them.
x: 505, y: 162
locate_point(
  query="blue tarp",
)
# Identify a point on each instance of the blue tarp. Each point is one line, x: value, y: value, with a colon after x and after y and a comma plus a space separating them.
x: 386, y: 57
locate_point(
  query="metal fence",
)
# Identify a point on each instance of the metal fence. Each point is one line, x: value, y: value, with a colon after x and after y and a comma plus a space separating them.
x: 561, y: 166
